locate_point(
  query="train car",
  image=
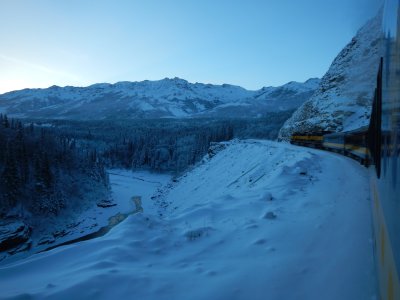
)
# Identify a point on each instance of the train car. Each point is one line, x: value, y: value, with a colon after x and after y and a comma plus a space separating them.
x: 384, y: 144
x: 356, y: 145
x: 334, y: 142
x: 352, y: 143
x: 308, y: 139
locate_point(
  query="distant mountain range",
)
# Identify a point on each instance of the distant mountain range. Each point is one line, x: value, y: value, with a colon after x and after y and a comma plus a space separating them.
x: 174, y: 98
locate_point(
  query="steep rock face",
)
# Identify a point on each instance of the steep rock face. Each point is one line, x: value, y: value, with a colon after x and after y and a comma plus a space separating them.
x: 343, y: 99
x: 152, y: 99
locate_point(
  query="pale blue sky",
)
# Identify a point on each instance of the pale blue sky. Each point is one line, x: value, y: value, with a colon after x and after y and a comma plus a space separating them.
x: 252, y: 43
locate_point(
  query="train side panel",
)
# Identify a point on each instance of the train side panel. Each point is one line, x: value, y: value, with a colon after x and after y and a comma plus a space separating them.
x: 384, y: 141
x: 309, y: 139
x: 355, y: 144
x: 334, y: 142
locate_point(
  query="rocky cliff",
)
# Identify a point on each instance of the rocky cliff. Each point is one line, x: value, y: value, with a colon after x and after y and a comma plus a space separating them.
x: 343, y: 99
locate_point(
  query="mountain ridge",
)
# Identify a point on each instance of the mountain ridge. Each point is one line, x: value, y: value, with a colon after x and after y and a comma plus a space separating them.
x: 168, y: 97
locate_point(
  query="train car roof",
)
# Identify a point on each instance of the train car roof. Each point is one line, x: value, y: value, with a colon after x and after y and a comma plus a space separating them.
x: 358, y: 130
x: 320, y: 132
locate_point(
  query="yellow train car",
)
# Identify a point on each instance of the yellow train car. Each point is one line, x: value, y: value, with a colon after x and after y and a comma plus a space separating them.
x: 308, y: 139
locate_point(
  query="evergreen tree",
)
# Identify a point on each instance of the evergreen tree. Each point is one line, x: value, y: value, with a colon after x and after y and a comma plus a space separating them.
x: 11, y: 180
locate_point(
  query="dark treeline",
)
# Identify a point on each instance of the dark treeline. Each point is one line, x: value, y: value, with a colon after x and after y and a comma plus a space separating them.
x: 43, y: 172
x: 160, y: 145
x: 165, y: 149
x: 163, y: 144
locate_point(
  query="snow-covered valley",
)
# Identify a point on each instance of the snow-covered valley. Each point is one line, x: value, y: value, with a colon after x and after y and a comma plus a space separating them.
x: 256, y: 220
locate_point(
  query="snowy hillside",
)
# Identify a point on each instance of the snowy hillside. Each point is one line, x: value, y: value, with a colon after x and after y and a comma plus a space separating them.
x: 257, y: 220
x: 344, y: 97
x: 151, y: 99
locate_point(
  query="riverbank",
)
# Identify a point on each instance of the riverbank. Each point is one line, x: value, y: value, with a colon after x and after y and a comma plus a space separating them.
x: 95, y: 221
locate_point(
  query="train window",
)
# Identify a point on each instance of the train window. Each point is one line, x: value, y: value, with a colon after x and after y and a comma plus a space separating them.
x: 394, y: 170
x: 385, y: 152
x: 397, y: 145
x: 395, y: 159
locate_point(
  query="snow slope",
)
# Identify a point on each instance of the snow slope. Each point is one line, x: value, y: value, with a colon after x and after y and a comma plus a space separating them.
x: 343, y: 99
x: 258, y: 220
x: 152, y: 99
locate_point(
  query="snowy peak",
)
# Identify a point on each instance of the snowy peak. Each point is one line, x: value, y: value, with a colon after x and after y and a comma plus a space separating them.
x: 311, y: 83
x: 343, y: 99
x: 293, y: 86
x: 168, y: 97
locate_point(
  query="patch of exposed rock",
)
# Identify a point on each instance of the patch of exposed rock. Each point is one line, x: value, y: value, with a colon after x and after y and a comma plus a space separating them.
x: 14, y: 234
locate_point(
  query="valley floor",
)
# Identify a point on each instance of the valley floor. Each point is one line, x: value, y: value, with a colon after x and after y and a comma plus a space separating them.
x: 259, y: 220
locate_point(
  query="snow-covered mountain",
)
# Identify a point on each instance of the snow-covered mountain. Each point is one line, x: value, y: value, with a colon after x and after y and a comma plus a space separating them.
x: 344, y: 97
x: 152, y: 99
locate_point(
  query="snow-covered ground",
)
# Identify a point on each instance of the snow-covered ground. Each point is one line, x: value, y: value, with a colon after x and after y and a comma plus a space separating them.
x: 259, y: 220
x: 92, y: 219
x: 127, y: 184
